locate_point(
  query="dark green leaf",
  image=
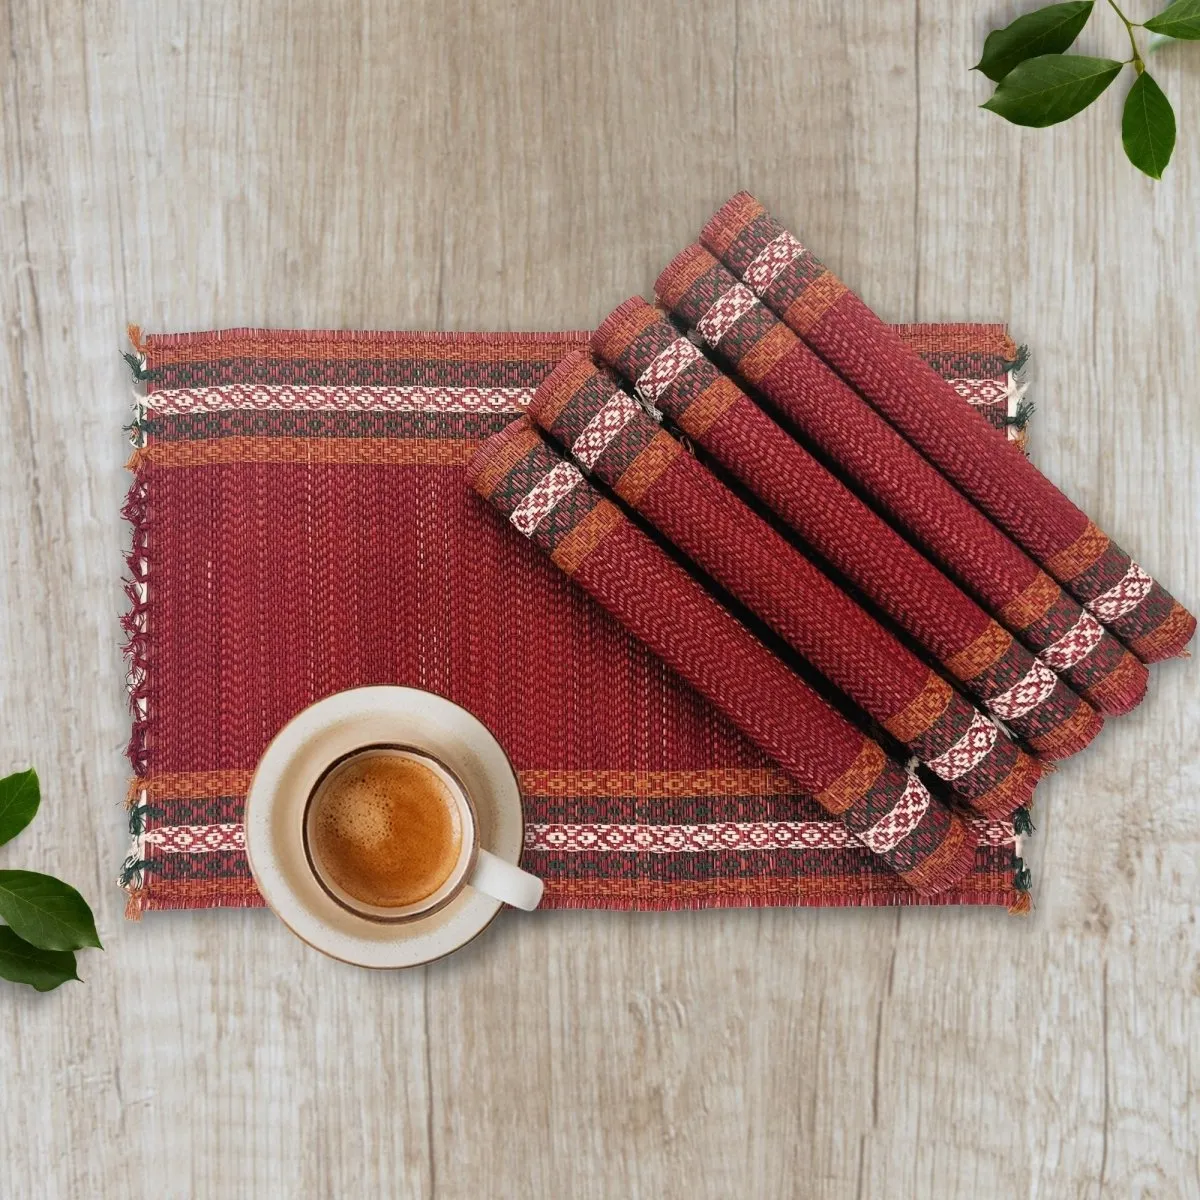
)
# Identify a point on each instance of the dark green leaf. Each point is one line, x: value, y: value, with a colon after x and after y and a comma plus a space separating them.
x: 19, y: 800
x: 1043, y: 91
x: 1148, y: 126
x: 1178, y: 20
x: 1049, y: 30
x: 47, y: 912
x: 41, y: 969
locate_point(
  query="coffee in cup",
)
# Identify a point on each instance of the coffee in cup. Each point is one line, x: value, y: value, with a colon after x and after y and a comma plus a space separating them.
x: 385, y: 827
x: 389, y: 832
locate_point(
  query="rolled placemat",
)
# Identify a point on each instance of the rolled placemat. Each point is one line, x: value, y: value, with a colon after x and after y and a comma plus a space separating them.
x: 749, y: 339
x: 925, y: 408
x: 887, y: 809
x: 709, y: 408
x: 610, y: 435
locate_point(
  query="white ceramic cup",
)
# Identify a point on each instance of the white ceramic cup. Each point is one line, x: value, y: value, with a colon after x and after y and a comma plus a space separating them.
x: 474, y: 866
x: 484, y: 784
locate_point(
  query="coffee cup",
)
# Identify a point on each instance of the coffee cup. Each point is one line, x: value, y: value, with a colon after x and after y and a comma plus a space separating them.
x: 391, y: 834
x: 384, y: 827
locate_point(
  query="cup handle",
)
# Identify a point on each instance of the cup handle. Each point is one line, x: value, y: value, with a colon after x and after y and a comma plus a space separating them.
x: 502, y: 881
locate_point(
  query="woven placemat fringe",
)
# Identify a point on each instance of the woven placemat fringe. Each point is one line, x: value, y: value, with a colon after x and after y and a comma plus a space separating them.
x: 1020, y: 408
x: 1015, y: 366
x: 1023, y: 882
x: 136, y: 648
x: 134, y: 620
x: 1023, y: 827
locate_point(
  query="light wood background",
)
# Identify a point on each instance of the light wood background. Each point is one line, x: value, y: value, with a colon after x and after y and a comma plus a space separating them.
x: 464, y: 164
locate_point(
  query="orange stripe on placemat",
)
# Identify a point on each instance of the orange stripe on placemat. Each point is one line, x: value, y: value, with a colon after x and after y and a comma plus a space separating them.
x: 187, y: 785
x: 858, y: 777
x: 647, y: 467
x: 165, y: 349
x: 714, y: 781
x: 716, y: 399
x: 815, y: 301
x: 834, y: 892
x: 570, y: 553
x: 771, y: 891
x: 717, y: 781
x: 400, y: 452
x: 963, y: 339
x: 1080, y: 554
x: 1031, y: 604
x: 500, y: 454
x: 922, y: 710
x: 1169, y: 638
x: 193, y: 893
x: 976, y: 657
x: 766, y: 352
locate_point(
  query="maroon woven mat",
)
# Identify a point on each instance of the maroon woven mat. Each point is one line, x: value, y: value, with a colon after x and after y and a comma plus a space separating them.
x: 301, y: 524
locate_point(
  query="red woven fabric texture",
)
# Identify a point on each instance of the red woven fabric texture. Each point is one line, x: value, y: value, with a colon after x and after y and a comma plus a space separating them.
x: 547, y: 499
x: 584, y: 408
x: 743, y: 440
x: 808, y: 395
x: 852, y: 339
x: 302, y: 524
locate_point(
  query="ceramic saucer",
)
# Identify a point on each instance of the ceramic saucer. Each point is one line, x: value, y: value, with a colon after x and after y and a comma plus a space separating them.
x: 290, y: 767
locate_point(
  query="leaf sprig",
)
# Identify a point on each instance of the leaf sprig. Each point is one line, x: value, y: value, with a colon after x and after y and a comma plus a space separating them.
x: 1039, y: 84
x: 47, y: 920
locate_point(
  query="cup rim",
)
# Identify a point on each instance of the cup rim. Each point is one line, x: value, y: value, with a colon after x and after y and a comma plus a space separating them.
x: 464, y: 866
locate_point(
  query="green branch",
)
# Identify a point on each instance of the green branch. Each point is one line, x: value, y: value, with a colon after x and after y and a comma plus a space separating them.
x: 1038, y: 83
x: 1138, y: 65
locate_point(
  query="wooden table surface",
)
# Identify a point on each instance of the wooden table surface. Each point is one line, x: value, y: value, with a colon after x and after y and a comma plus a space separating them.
x: 506, y: 165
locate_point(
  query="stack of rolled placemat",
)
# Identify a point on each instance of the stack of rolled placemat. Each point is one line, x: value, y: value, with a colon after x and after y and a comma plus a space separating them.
x: 766, y: 486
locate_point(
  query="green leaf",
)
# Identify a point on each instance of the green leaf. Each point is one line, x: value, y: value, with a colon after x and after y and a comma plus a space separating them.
x: 1049, y: 30
x: 42, y: 969
x: 47, y: 912
x: 20, y: 796
x: 1043, y: 91
x: 1148, y: 126
x: 1179, y: 20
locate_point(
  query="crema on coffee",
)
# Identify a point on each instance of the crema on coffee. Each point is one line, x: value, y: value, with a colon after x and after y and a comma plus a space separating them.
x: 386, y: 828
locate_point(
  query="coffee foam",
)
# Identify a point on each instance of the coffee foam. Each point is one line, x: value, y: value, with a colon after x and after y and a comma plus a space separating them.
x: 386, y: 828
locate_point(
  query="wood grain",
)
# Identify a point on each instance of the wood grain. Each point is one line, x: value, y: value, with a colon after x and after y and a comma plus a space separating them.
x: 485, y: 164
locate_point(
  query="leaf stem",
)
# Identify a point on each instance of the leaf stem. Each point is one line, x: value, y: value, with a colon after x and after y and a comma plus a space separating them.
x: 1138, y: 65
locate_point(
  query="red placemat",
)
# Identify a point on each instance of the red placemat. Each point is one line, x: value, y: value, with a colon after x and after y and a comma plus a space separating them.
x: 302, y: 524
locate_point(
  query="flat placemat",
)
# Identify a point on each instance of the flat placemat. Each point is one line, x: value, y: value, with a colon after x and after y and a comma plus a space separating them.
x: 301, y: 525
